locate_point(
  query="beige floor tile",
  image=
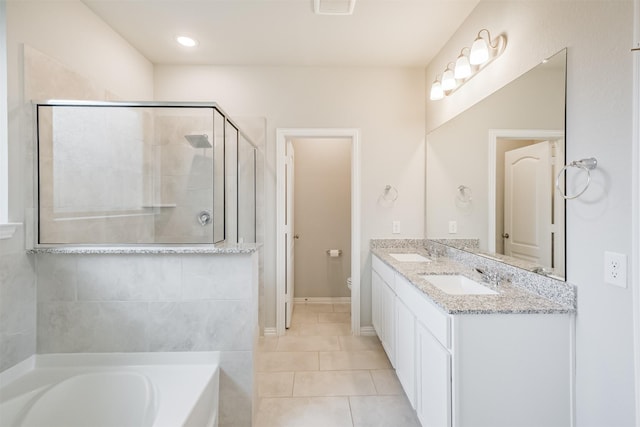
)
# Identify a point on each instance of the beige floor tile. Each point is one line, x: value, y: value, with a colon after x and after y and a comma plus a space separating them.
x: 308, y: 343
x: 314, y: 307
x: 350, y: 343
x: 342, y: 308
x: 267, y: 343
x: 386, y: 382
x: 304, y: 412
x: 348, y: 360
x: 333, y: 383
x: 275, y: 384
x: 319, y: 329
x: 304, y: 317
x: 382, y: 411
x: 284, y: 361
x: 334, y: 317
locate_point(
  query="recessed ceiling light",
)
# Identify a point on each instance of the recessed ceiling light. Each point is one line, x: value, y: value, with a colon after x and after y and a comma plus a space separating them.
x: 187, y: 41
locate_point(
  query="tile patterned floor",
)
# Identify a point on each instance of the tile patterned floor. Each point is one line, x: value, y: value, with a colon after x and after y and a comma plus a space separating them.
x: 318, y: 374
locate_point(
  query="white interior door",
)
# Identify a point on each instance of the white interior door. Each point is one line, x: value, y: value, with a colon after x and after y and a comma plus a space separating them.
x: 290, y: 237
x: 528, y: 203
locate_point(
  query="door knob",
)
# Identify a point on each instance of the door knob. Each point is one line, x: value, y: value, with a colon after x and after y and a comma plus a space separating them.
x: 296, y: 236
x: 505, y: 235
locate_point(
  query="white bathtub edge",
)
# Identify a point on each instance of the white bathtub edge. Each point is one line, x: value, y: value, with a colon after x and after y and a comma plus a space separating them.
x: 61, y: 360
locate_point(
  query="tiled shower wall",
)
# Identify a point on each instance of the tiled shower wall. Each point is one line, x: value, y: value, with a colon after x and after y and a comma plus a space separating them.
x: 17, y: 302
x: 155, y: 302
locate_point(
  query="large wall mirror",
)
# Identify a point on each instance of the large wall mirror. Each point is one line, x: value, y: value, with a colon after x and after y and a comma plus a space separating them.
x: 491, y: 172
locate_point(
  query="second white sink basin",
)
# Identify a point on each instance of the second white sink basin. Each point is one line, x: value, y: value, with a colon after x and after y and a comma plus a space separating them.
x: 411, y: 257
x: 455, y: 284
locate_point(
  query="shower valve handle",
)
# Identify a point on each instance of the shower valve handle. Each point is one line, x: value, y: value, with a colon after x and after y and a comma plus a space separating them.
x: 204, y: 218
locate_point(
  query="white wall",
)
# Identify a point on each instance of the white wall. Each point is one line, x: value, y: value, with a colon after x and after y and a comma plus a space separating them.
x: 387, y: 104
x: 598, y: 35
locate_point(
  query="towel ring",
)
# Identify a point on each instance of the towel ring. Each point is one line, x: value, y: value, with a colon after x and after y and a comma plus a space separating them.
x: 585, y: 164
x: 464, y: 194
x: 390, y: 194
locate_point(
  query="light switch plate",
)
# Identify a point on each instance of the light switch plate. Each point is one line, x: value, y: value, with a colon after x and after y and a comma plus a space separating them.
x: 396, y: 227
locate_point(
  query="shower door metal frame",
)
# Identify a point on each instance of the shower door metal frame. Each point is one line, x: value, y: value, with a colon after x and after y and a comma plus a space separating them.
x: 32, y: 218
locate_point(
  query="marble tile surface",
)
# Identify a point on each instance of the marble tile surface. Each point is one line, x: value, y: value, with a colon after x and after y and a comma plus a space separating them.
x: 275, y: 384
x: 386, y: 382
x: 118, y: 278
x: 72, y: 327
x: 17, y: 301
x: 201, y: 325
x: 382, y: 411
x: 511, y: 298
x: 333, y: 383
x: 304, y: 412
x: 308, y: 343
x: 362, y: 359
x: 286, y: 361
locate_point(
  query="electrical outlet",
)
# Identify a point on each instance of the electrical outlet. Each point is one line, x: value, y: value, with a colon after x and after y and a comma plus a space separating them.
x: 453, y: 227
x: 615, y: 269
x: 396, y: 227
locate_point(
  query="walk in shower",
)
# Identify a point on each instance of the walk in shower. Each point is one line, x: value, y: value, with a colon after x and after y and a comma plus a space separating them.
x: 142, y: 173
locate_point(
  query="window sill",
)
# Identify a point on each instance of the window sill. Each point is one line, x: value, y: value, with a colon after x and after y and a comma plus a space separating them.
x: 7, y: 230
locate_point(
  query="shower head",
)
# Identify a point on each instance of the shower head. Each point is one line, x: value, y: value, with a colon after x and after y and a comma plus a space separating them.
x: 198, y: 140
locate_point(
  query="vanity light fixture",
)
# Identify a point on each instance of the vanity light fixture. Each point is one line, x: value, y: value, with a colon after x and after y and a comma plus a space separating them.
x: 448, y: 79
x: 186, y: 41
x: 437, y: 93
x: 462, y: 69
x: 483, y: 51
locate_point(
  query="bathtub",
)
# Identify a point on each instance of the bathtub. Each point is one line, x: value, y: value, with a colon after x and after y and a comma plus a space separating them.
x: 112, y: 390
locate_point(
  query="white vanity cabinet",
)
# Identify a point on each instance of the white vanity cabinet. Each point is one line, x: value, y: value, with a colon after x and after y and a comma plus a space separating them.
x: 474, y: 370
x: 383, y: 306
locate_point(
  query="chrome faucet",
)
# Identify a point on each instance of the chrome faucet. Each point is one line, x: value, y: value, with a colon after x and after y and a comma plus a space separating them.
x: 493, y: 278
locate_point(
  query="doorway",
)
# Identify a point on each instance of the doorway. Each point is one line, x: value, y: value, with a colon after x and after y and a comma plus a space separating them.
x: 526, y: 214
x: 285, y: 233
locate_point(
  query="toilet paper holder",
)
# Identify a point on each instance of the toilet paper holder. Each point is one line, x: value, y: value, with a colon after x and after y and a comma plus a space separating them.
x: 334, y: 252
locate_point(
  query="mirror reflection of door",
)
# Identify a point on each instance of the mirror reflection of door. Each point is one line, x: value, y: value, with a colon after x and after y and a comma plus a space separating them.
x: 528, y: 230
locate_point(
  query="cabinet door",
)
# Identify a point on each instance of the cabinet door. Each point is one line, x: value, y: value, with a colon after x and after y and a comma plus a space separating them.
x: 433, y: 400
x: 388, y: 322
x: 376, y: 305
x: 405, y: 350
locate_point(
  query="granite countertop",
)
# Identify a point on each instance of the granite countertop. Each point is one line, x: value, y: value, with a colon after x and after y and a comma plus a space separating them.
x: 159, y: 249
x: 511, y: 299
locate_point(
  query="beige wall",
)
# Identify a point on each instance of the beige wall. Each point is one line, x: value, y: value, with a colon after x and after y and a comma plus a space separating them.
x: 386, y: 104
x: 322, y: 216
x: 599, y: 124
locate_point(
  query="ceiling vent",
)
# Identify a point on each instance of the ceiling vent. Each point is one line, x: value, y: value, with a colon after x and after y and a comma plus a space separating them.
x: 333, y: 7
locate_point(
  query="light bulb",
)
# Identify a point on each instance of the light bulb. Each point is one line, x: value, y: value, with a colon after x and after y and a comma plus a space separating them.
x: 479, y: 52
x: 437, y: 93
x: 448, y: 80
x: 187, y: 41
x: 463, y: 68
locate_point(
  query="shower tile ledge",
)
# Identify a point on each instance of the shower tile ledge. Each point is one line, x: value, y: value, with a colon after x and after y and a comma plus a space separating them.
x: 205, y: 249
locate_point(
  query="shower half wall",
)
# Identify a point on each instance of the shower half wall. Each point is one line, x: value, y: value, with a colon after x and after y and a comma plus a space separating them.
x: 142, y: 173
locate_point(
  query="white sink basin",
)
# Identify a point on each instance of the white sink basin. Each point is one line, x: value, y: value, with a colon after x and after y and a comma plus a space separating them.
x: 455, y: 284
x: 409, y: 258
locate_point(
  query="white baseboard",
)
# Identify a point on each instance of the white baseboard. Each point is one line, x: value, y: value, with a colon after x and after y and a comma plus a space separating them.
x: 322, y: 300
x: 368, y: 331
x: 270, y: 332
